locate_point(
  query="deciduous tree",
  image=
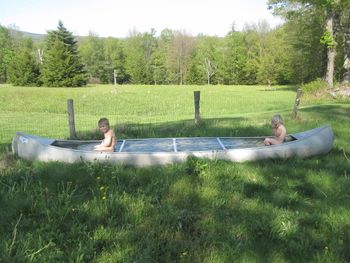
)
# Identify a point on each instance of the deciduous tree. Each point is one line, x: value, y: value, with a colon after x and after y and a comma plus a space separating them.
x: 333, y: 10
x: 92, y: 53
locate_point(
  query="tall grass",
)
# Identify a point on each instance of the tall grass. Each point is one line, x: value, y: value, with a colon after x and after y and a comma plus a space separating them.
x: 294, y: 210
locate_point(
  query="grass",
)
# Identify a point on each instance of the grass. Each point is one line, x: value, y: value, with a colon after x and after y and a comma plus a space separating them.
x: 294, y: 210
x: 42, y: 111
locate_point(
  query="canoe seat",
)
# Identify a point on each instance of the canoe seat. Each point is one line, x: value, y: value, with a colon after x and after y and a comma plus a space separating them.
x: 289, y: 138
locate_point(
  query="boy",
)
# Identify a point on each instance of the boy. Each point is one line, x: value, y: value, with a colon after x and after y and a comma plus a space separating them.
x: 109, y: 141
x: 278, y: 130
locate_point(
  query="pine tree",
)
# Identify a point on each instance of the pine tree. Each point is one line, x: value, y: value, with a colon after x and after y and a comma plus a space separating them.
x: 23, y: 69
x: 62, y: 66
x: 6, y: 52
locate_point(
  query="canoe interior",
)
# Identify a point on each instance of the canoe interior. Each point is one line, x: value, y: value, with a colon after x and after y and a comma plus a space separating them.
x: 171, y: 144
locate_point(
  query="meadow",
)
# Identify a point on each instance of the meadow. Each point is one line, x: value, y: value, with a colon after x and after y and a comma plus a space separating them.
x: 294, y: 210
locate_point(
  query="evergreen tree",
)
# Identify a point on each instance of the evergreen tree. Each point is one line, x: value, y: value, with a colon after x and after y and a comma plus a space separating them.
x: 23, y: 69
x: 234, y: 58
x: 62, y: 66
x: 6, y: 52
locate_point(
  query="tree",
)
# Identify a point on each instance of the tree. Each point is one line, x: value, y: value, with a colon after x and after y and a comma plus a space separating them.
x: 92, y: 53
x: 204, y: 61
x: 209, y: 57
x: 344, y: 23
x: 6, y: 52
x: 178, y: 57
x: 62, y: 66
x: 139, y: 50
x: 115, y: 58
x: 23, y: 69
x: 159, y: 60
x: 234, y: 58
x: 307, y: 57
x: 333, y: 9
x: 274, y: 60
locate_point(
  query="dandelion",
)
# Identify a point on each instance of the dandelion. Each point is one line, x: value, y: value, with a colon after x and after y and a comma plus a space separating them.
x: 102, y: 188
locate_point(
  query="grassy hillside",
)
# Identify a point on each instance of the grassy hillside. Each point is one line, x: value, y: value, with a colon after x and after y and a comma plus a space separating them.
x: 294, y: 210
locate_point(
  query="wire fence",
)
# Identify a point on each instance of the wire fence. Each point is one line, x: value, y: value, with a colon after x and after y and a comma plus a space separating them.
x: 57, y: 125
x: 44, y: 112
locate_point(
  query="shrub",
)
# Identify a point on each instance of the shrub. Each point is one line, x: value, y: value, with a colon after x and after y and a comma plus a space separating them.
x: 314, y: 86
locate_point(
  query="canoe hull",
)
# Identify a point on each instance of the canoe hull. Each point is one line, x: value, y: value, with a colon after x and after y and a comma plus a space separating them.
x: 310, y: 143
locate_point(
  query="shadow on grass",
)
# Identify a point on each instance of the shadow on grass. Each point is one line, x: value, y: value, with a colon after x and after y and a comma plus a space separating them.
x: 303, y: 209
x: 329, y: 111
x: 200, y: 211
x: 214, y: 127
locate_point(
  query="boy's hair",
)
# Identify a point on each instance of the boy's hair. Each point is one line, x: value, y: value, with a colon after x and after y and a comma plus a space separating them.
x: 277, y: 119
x: 103, y: 121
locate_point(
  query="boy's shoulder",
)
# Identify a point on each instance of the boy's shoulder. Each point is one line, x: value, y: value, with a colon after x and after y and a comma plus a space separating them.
x: 110, y: 133
x: 282, y: 128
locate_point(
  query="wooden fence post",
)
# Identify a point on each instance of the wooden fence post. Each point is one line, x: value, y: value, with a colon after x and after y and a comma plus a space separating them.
x: 115, y: 77
x: 71, y: 120
x: 296, y: 103
x: 197, y: 97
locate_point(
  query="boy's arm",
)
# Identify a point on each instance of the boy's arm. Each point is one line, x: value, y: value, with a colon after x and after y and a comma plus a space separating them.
x: 108, y: 143
x: 107, y: 140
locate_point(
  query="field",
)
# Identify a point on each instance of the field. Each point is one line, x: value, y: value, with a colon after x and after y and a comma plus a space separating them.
x: 294, y: 210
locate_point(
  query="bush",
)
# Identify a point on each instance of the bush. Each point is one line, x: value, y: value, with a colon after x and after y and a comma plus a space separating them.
x: 314, y: 86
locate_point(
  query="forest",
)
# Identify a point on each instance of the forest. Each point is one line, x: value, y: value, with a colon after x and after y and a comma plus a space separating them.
x: 312, y: 44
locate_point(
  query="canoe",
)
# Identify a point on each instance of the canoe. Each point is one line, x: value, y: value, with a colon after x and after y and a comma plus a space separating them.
x: 161, y: 151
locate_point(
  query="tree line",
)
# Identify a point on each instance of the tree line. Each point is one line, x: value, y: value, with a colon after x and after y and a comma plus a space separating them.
x: 306, y: 47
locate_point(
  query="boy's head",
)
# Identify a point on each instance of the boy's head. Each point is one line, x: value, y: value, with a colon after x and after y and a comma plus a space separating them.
x: 103, y: 122
x: 276, y: 119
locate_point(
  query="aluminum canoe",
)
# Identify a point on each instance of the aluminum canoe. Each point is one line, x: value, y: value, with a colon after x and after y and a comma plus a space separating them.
x: 161, y: 151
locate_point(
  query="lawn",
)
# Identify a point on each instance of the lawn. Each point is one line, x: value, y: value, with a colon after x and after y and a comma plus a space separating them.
x: 43, y: 111
x: 294, y: 210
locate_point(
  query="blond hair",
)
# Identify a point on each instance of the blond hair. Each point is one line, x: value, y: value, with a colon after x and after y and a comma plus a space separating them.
x: 103, y: 121
x: 277, y: 119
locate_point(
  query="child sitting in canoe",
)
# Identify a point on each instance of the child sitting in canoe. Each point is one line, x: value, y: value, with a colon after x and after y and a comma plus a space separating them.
x: 278, y: 130
x: 109, y: 141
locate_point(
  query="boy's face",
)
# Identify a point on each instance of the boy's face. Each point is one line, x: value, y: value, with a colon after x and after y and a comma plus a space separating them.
x: 103, y: 128
x: 274, y: 125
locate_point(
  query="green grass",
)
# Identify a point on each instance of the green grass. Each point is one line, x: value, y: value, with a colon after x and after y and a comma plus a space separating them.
x: 42, y: 111
x: 294, y: 210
